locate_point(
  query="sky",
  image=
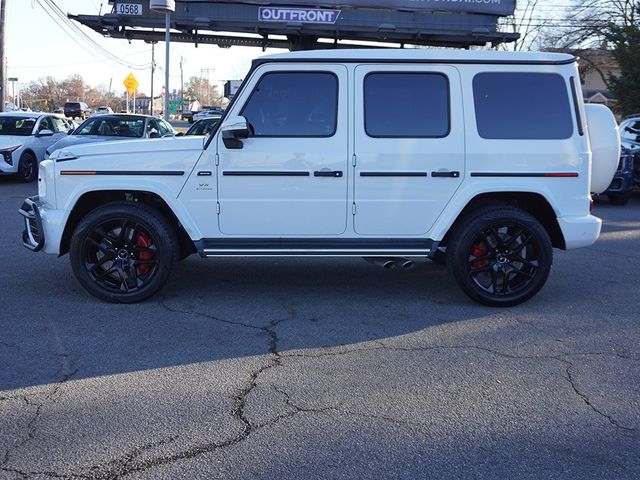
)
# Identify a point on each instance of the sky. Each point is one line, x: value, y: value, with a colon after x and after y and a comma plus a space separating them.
x: 38, y: 47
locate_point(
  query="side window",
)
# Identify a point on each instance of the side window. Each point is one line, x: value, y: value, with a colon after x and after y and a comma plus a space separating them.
x: 153, y: 125
x: 59, y: 125
x: 294, y: 104
x: 406, y: 105
x: 163, y: 128
x: 45, y: 124
x: 522, y: 106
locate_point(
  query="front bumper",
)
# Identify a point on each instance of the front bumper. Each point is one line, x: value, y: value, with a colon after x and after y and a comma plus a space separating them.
x: 7, y: 169
x: 33, y: 234
x: 622, y: 183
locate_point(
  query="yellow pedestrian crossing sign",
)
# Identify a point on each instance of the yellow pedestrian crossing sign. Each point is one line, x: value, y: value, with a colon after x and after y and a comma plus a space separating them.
x: 130, y: 83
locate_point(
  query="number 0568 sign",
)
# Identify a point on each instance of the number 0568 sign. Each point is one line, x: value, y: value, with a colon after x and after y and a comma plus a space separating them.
x: 129, y: 9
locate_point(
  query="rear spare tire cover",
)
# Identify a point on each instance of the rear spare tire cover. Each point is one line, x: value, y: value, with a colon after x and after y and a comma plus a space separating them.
x: 605, y: 146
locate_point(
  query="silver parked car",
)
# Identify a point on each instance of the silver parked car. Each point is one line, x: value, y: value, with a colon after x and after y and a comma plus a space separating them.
x: 24, y: 138
x: 106, y: 128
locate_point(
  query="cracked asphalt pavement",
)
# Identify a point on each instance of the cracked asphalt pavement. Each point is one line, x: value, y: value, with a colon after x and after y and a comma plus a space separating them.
x: 316, y: 368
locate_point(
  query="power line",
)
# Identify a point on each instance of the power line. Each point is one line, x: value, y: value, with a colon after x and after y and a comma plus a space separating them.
x: 58, y: 16
x: 99, y: 47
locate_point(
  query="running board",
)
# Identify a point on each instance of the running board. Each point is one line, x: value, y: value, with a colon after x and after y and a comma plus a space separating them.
x: 316, y: 247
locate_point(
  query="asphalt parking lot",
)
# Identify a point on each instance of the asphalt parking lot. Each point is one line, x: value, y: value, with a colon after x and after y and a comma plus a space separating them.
x: 321, y: 369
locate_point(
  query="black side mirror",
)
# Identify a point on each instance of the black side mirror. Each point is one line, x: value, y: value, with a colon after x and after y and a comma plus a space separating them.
x: 234, y: 131
x: 154, y: 134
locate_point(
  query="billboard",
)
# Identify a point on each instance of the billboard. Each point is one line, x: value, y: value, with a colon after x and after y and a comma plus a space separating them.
x: 490, y: 7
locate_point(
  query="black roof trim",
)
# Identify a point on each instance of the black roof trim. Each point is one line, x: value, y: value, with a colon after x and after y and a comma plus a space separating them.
x: 261, y: 61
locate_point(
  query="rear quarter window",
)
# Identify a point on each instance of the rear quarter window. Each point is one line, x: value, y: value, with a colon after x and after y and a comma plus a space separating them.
x: 522, y: 106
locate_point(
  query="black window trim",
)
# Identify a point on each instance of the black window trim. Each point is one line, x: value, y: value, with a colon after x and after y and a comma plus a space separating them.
x: 576, y: 106
x: 473, y: 91
x: 272, y: 72
x: 400, y: 72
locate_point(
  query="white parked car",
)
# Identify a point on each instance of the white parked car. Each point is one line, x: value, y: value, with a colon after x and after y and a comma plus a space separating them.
x: 102, y: 111
x: 24, y: 137
x: 208, y: 113
x: 485, y: 159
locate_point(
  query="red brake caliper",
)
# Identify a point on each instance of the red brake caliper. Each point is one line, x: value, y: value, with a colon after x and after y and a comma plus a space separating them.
x: 143, y: 240
x: 479, y: 250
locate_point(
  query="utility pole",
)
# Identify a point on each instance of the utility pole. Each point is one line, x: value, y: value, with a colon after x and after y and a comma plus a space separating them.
x: 167, y: 42
x: 153, y: 69
x: 166, y: 7
x: 208, y: 70
x: 181, y: 85
x: 3, y: 59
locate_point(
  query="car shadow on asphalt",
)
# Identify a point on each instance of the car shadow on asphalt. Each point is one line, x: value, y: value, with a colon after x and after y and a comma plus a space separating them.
x: 216, y: 310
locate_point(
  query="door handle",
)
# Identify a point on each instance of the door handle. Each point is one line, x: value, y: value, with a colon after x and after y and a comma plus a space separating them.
x: 453, y: 174
x: 328, y: 173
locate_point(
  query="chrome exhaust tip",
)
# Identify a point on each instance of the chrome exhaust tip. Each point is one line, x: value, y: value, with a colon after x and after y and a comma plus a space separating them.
x: 386, y: 263
x: 406, y: 264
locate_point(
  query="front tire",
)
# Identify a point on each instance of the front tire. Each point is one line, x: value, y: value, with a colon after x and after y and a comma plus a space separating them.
x: 123, y: 252
x: 500, y: 256
x: 27, y: 168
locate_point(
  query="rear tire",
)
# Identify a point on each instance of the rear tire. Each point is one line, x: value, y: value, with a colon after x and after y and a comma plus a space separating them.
x: 123, y: 252
x: 619, y: 199
x: 500, y: 256
x: 27, y: 168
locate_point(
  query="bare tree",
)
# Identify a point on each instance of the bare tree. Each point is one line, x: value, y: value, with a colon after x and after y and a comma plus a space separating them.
x: 200, y: 89
x: 606, y: 36
x: 524, y: 21
x: 47, y: 93
x: 588, y: 24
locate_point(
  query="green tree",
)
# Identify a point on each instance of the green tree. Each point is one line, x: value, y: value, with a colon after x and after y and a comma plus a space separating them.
x: 600, y: 31
x: 624, y: 42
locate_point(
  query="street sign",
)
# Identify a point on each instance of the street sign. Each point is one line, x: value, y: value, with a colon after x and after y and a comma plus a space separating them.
x: 231, y: 88
x: 12, y: 79
x: 128, y: 9
x: 130, y: 83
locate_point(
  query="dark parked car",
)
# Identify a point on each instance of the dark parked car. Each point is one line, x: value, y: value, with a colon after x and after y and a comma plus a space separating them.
x: 77, y: 110
x: 628, y: 173
x: 187, y: 115
x: 105, y: 128
x: 203, y: 127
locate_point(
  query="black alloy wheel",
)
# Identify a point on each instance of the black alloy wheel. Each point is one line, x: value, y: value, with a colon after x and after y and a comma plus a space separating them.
x: 502, y: 257
x: 27, y: 168
x: 123, y: 252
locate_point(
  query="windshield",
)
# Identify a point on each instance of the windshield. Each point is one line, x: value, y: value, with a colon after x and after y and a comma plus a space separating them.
x: 120, y: 126
x: 17, y: 126
x: 631, y: 131
x: 203, y: 127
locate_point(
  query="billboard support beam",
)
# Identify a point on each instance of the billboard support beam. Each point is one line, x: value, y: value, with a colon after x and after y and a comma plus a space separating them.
x: 325, y: 24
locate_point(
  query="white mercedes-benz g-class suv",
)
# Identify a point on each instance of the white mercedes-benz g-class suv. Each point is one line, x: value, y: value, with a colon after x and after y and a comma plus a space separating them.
x: 485, y: 160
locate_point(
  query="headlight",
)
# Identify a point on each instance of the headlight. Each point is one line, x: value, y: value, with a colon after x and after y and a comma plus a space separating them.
x: 46, y: 183
x: 7, y: 153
